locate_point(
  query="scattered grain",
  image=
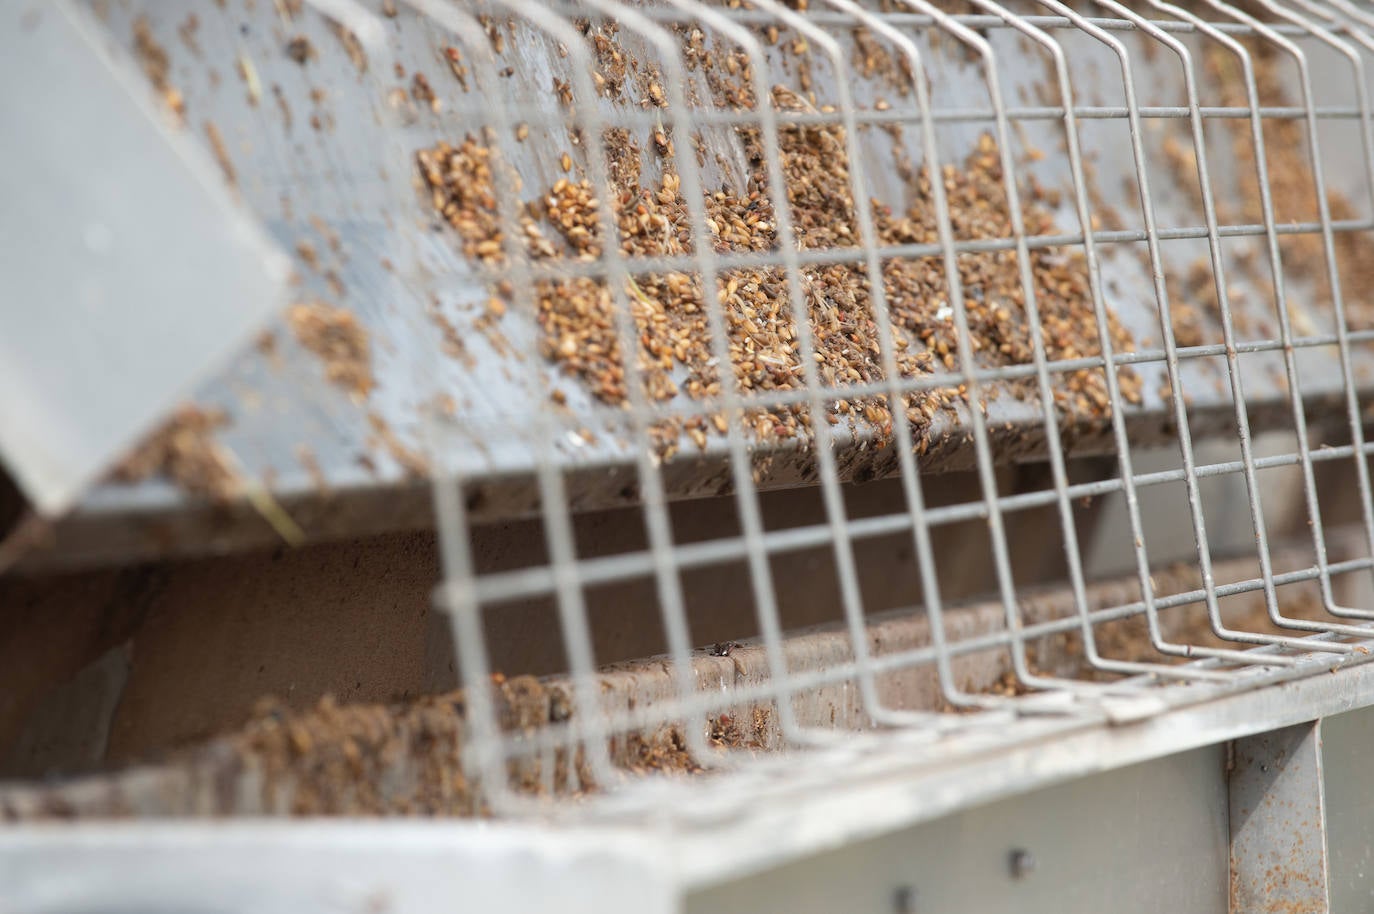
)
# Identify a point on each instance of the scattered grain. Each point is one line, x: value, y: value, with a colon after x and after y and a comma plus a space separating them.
x: 335, y: 335
x: 184, y: 450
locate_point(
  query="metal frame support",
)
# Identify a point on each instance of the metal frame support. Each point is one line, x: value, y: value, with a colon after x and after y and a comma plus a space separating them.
x: 395, y: 867
x: 1279, y: 860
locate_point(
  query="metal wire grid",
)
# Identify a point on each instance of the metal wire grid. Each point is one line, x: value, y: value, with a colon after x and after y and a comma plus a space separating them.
x: 1256, y: 658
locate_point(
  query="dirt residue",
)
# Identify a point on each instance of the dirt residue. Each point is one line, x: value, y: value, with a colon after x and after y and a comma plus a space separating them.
x: 335, y: 760
x: 409, y: 758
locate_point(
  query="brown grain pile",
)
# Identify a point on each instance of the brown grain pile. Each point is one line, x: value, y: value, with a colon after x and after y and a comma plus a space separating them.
x: 674, y: 355
x: 460, y: 190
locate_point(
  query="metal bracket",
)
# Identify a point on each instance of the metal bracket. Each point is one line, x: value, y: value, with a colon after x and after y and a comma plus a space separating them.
x: 1278, y: 823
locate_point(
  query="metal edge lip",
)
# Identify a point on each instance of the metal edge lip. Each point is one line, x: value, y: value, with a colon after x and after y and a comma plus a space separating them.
x: 886, y: 791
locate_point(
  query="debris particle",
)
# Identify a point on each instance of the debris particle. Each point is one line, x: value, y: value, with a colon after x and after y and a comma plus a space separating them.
x: 187, y: 32
x: 414, y: 463
x: 423, y: 92
x: 184, y: 451
x: 563, y: 89
x: 221, y: 152
x: 306, y: 251
x: 249, y: 74
x: 452, y: 341
x: 311, y: 464
x: 300, y: 50
x: 335, y: 335
x: 157, y: 66
x: 352, y: 46
x: 282, y: 105
x: 454, y: 58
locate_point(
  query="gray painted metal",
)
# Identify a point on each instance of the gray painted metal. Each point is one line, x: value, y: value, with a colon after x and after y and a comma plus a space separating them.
x: 357, y: 867
x: 1164, y: 850
x: 128, y: 273
x: 1347, y: 742
x: 1278, y: 823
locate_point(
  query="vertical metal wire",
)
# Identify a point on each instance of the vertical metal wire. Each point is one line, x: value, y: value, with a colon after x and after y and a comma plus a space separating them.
x: 982, y: 447
x: 851, y: 597
x: 987, y: 479
x: 657, y: 522
x: 1333, y: 277
x: 1342, y: 326
x: 1314, y: 8
x: 1122, y: 440
x: 1357, y: 15
x: 589, y: 720
x: 1239, y: 405
x: 1067, y: 99
x: 904, y: 445
x: 640, y: 412
x: 1054, y: 445
x: 746, y: 494
x: 1185, y: 438
x: 458, y: 597
x: 1276, y: 267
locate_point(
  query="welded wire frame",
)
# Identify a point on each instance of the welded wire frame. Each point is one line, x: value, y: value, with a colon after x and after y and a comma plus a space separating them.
x: 1178, y: 668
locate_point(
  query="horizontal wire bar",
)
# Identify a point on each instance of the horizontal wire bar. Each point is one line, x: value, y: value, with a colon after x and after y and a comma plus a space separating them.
x: 870, y: 117
x: 919, y: 20
x: 562, y: 735
x: 771, y: 399
x: 730, y: 260
x: 504, y: 586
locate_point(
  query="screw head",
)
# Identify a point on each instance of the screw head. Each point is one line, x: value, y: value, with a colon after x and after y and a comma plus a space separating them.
x: 1021, y: 862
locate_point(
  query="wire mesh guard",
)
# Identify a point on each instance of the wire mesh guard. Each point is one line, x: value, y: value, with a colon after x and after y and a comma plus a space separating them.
x: 1078, y: 293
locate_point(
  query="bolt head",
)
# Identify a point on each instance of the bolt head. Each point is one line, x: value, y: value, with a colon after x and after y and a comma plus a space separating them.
x: 1021, y: 862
